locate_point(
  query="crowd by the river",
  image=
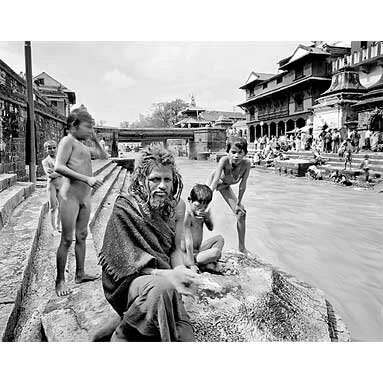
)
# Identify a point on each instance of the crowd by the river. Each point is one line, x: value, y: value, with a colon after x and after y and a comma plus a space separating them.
x: 273, y: 149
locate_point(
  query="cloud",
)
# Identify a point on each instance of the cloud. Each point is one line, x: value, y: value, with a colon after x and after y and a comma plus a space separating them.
x: 117, y: 80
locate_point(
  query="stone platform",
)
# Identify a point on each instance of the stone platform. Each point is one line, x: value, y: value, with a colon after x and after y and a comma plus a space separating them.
x: 297, y: 167
x: 252, y: 301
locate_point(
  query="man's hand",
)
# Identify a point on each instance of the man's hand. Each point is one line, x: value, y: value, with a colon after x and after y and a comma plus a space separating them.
x: 183, y: 279
x: 239, y: 208
x: 94, y: 182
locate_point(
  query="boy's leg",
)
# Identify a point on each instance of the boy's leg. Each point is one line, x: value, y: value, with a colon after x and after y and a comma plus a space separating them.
x: 68, y: 212
x: 58, y: 219
x: 52, y: 199
x: 231, y: 199
x: 210, y: 250
x: 80, y: 246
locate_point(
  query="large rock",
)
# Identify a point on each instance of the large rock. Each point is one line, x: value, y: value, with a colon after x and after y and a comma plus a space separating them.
x: 251, y: 302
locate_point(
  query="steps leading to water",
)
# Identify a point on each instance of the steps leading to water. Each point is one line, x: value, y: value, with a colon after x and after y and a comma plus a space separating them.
x: 86, y: 298
x: 11, y: 197
x: 26, y: 235
x: 334, y: 162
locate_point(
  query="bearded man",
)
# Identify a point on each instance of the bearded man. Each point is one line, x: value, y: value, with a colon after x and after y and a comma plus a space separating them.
x: 143, y: 266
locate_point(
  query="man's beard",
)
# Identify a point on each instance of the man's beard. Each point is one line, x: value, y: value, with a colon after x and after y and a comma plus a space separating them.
x: 164, y: 206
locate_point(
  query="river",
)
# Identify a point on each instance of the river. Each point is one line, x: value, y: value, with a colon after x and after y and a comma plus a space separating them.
x: 325, y: 234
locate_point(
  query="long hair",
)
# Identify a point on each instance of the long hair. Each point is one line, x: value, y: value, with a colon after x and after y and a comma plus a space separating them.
x: 152, y: 156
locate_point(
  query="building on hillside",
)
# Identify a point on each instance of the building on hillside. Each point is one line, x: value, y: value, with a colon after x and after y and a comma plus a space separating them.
x: 58, y: 94
x: 280, y: 103
x: 198, y: 117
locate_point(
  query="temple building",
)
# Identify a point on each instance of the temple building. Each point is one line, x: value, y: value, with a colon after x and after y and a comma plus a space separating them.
x: 280, y: 103
x: 198, y: 117
x: 58, y: 94
x: 354, y: 99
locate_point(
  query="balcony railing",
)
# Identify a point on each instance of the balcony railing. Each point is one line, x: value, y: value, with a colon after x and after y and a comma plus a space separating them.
x: 358, y: 57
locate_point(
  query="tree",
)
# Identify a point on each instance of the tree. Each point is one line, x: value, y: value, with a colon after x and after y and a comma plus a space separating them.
x: 166, y: 114
x: 161, y: 115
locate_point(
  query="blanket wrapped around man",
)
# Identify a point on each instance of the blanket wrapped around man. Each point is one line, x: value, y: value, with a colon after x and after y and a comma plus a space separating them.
x: 135, y: 238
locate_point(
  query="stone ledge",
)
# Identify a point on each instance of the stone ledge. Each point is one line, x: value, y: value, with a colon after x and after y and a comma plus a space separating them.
x: 24, y: 248
x: 6, y: 181
x: 12, y: 197
x: 252, y: 302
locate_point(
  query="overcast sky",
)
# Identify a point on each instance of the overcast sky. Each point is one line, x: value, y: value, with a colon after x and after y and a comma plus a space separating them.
x: 119, y: 80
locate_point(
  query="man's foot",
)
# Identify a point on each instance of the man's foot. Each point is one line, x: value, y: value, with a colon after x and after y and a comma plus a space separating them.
x: 62, y: 289
x: 86, y: 278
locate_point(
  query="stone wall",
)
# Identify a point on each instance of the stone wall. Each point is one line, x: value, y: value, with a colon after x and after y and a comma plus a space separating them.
x: 49, y: 124
x: 207, y: 140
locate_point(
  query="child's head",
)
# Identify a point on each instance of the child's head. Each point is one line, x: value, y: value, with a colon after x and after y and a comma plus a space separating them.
x: 200, y: 197
x: 237, y: 148
x: 80, y: 123
x: 50, y: 147
x: 366, y: 157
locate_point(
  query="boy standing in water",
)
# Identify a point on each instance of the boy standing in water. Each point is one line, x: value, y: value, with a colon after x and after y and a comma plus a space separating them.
x: 365, y: 165
x: 205, y: 254
x: 53, y: 184
x: 347, y: 154
x: 232, y: 169
x: 74, y: 163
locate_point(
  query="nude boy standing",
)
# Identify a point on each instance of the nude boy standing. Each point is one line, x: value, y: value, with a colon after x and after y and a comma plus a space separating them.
x: 232, y: 169
x: 73, y: 162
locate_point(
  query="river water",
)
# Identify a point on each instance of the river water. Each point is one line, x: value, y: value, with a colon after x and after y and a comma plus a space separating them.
x: 325, y: 234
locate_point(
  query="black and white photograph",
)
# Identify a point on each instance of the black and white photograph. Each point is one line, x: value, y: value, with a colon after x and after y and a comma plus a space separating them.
x: 191, y: 190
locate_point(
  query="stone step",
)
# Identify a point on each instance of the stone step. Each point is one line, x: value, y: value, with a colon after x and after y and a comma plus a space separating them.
x: 89, y: 296
x: 29, y: 325
x: 17, y: 241
x: 19, y: 244
x: 101, y: 193
x: 11, y: 197
x: 100, y: 165
x: 7, y: 180
x: 354, y: 171
x: 360, y: 155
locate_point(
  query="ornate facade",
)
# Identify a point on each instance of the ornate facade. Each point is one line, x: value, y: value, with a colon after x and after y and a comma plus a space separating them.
x: 281, y: 103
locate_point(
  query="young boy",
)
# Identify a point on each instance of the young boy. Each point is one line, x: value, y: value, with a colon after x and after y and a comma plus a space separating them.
x: 347, y: 153
x: 205, y: 254
x: 232, y: 169
x: 365, y: 165
x: 53, y: 184
x: 74, y: 163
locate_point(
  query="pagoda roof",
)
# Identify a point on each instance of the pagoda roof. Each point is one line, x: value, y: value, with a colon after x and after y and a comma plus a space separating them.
x: 192, y: 120
x: 300, y: 52
x: 213, y: 115
x: 256, y: 77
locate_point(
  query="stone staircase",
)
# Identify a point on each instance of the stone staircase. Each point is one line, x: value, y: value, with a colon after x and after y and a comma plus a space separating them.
x: 28, y: 247
x: 334, y: 162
